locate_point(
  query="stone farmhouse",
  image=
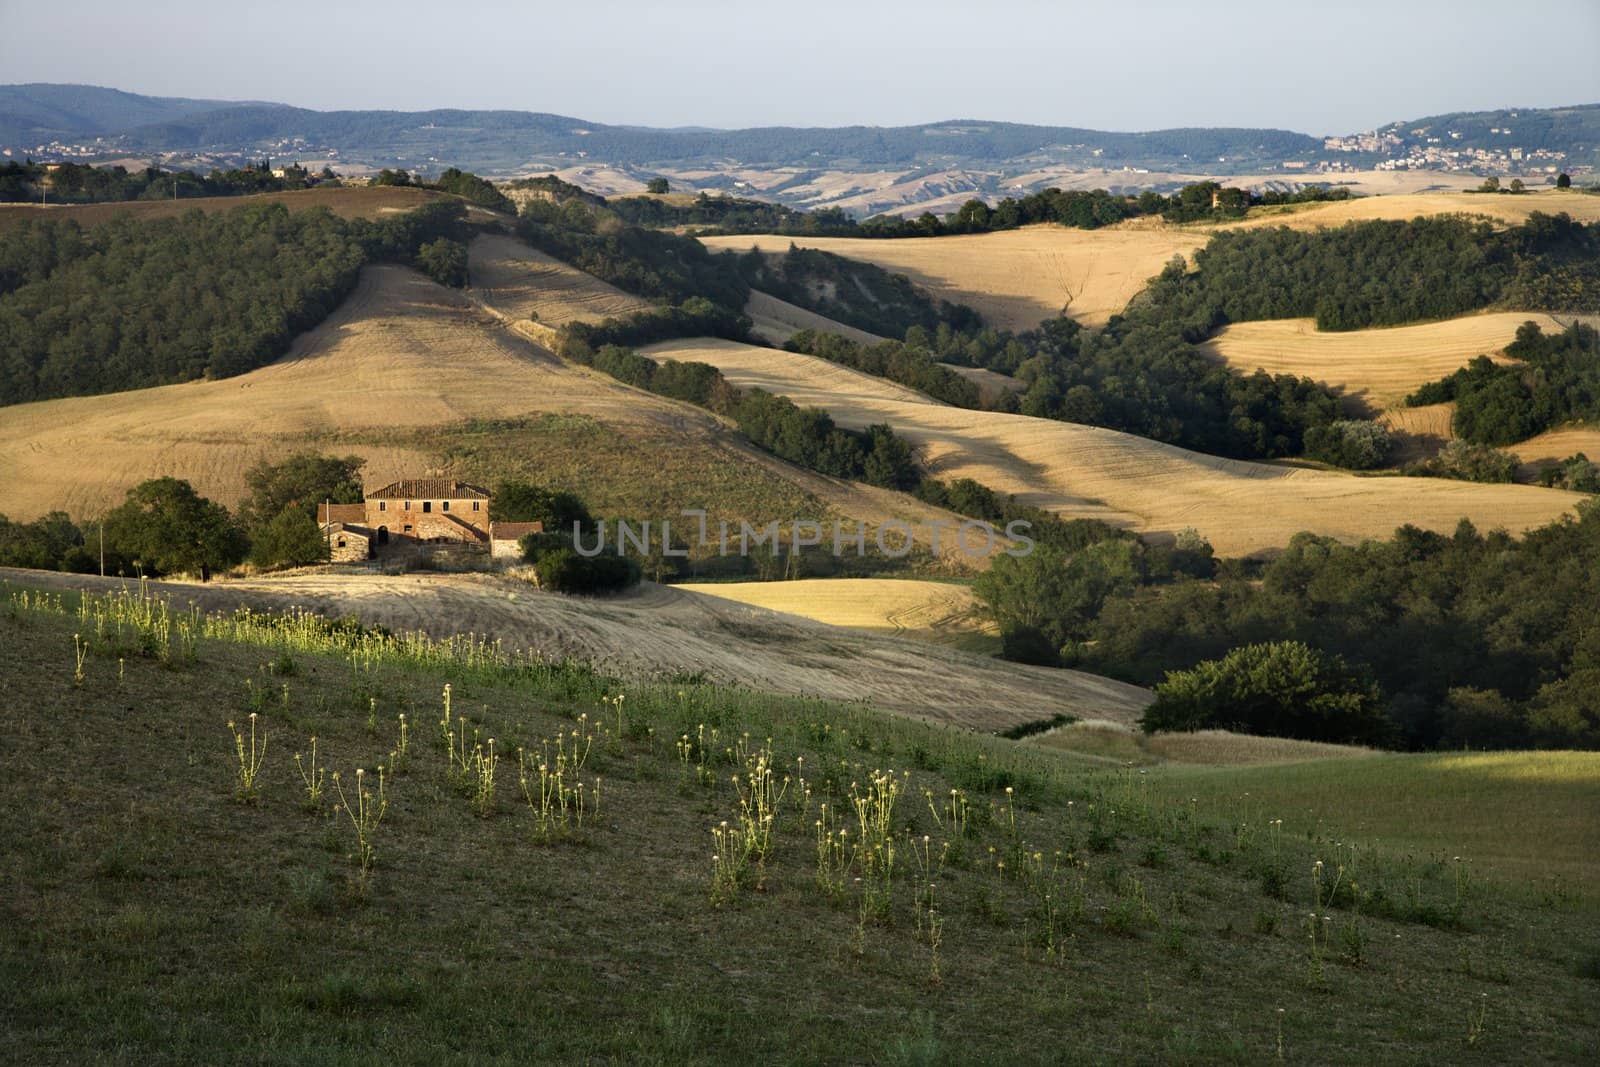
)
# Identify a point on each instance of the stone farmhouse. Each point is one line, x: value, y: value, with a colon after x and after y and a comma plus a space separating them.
x: 415, y: 512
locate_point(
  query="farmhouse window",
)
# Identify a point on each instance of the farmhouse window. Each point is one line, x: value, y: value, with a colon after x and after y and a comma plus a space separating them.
x: 383, y: 505
x: 427, y: 506
x: 406, y: 506
x: 445, y: 505
x: 408, y: 527
x: 341, y: 542
x: 474, y: 505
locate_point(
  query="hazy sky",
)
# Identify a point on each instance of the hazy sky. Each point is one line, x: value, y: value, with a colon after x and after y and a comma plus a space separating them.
x: 1137, y: 64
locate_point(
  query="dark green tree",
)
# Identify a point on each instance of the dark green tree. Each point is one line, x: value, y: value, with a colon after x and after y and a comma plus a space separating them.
x: 165, y: 527
x: 291, y: 539
x: 300, y: 482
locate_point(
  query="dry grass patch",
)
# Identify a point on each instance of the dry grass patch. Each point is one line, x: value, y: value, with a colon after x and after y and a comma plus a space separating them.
x: 1088, y: 472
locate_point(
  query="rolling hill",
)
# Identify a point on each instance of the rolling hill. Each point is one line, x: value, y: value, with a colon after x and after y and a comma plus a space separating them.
x: 1086, y: 472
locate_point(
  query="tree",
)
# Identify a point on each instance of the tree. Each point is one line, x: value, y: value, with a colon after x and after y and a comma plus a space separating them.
x: 1563, y: 181
x: 165, y: 527
x: 1281, y: 689
x: 292, y: 539
x: 657, y: 186
x: 300, y: 482
x: 1490, y: 185
x: 1354, y: 444
x: 1516, y: 185
x: 445, y: 261
x: 558, y: 509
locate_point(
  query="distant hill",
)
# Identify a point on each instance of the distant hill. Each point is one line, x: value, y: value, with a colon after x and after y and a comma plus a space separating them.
x: 939, y: 161
x: 39, y: 113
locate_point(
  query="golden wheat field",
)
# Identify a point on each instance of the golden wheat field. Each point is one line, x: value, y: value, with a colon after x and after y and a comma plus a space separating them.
x: 1554, y: 445
x: 1088, y: 472
x: 1381, y: 366
x: 518, y: 281
x: 941, y: 612
x: 1015, y: 278
x: 778, y: 320
x: 655, y: 630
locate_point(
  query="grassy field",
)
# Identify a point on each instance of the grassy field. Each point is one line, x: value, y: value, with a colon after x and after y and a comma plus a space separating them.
x: 940, y: 612
x: 1531, y: 819
x: 1087, y: 472
x: 355, y: 202
x: 778, y: 320
x: 163, y: 910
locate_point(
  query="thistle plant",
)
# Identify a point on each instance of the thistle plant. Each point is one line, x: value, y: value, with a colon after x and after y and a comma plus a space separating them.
x: 80, y: 648
x: 1475, y: 1019
x: 402, y: 749
x: 875, y: 848
x: 365, y: 816
x: 833, y: 854
x: 555, y: 794
x: 729, y: 863
x: 444, y: 720
x: 483, y: 768
x: 759, y: 793
x: 250, y: 760
x: 313, y: 778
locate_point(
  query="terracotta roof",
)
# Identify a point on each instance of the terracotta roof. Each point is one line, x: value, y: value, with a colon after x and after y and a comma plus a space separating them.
x: 513, y: 531
x: 342, y: 513
x: 429, y: 489
x: 347, y: 528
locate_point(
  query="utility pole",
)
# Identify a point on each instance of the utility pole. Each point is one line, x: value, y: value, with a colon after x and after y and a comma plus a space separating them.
x: 102, y: 547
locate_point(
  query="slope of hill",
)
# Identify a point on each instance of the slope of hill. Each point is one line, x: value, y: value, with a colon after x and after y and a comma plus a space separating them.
x: 663, y: 631
x: 521, y: 282
x: 1501, y: 207
x: 41, y: 112
x: 1087, y: 472
x: 151, y: 917
x: 1014, y: 278
x: 1382, y: 366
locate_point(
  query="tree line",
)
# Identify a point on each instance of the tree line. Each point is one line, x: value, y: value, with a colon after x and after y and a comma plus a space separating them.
x: 1468, y: 639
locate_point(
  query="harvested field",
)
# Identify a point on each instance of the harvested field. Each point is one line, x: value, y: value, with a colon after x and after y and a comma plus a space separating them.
x: 354, y: 202
x: 660, y: 631
x: 991, y: 384
x: 1555, y: 445
x: 1418, y: 432
x: 778, y: 320
x: 518, y: 281
x: 1499, y: 207
x: 1015, y: 278
x: 1087, y: 472
x: 417, y: 379
x: 1381, y: 366
x: 940, y: 612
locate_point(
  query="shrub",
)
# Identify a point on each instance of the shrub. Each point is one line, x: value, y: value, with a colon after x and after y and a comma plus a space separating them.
x: 292, y: 539
x: 1280, y: 689
x: 562, y: 570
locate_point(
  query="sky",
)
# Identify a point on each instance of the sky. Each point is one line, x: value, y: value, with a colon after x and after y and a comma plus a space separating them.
x: 1137, y: 64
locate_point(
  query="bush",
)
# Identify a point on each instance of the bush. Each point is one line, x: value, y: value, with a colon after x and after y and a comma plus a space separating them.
x: 1353, y: 444
x: 1281, y: 689
x: 563, y: 570
x: 445, y: 261
x: 1577, y: 473
x: 1467, y: 462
